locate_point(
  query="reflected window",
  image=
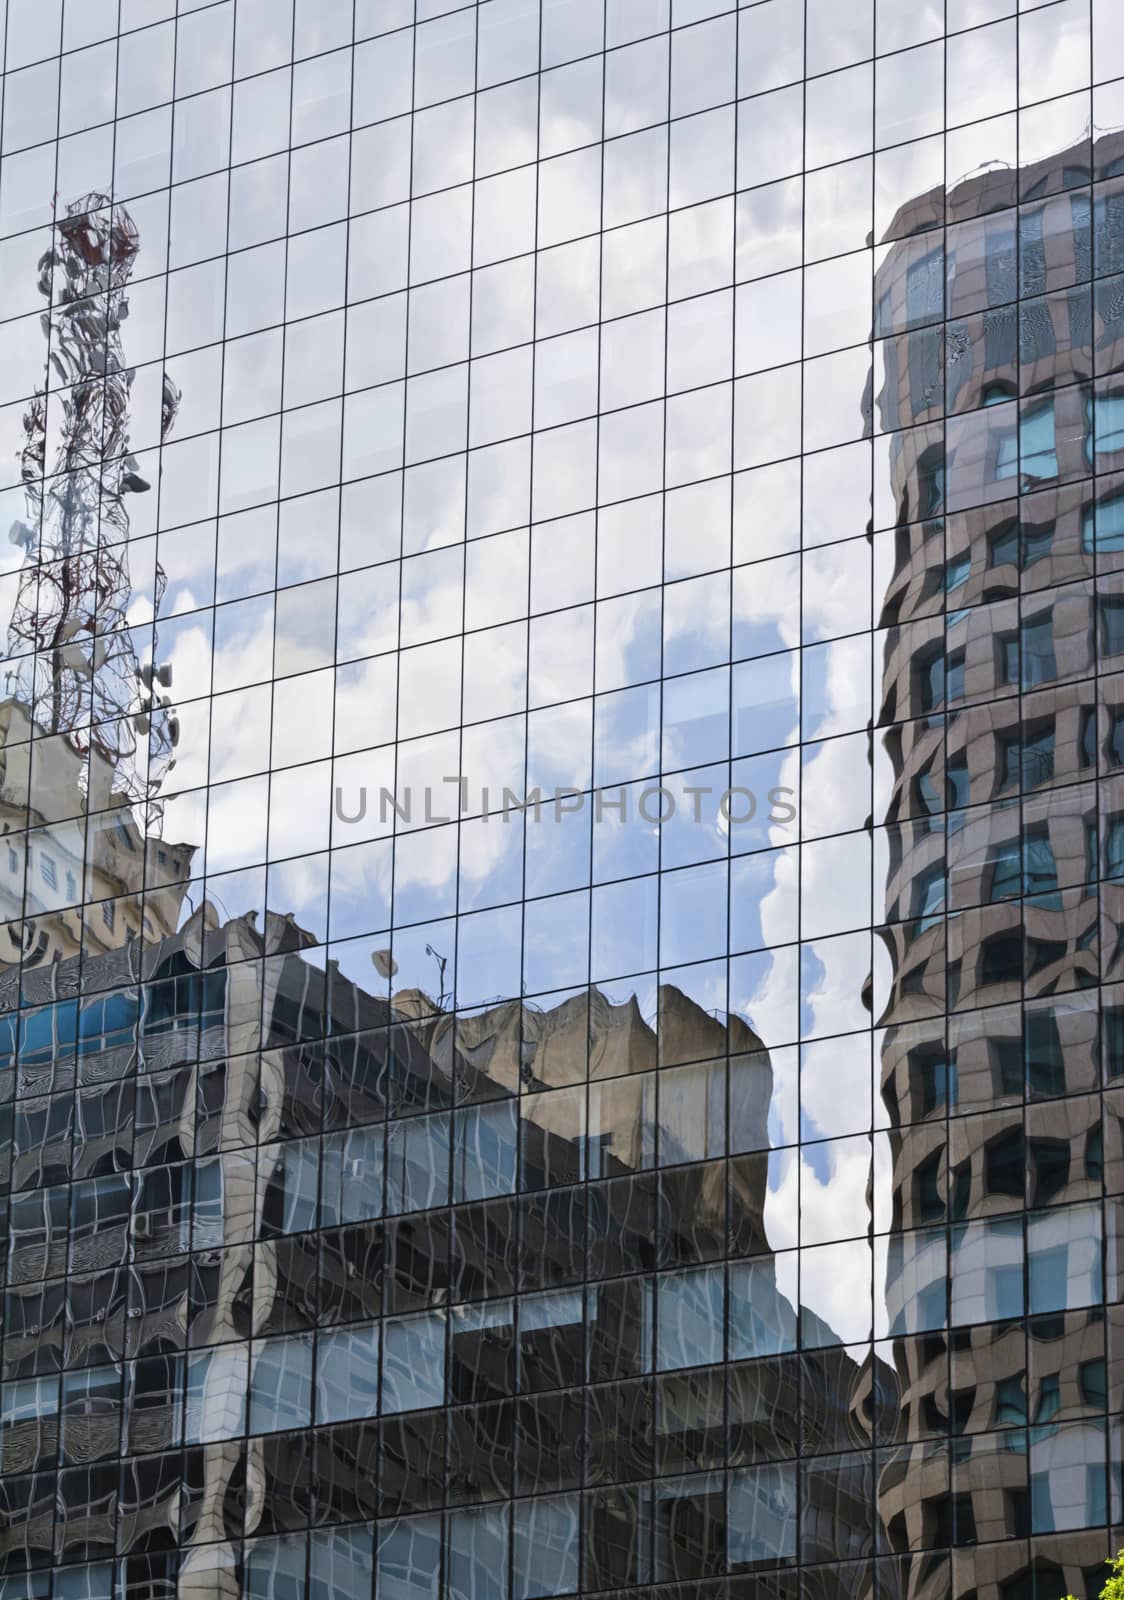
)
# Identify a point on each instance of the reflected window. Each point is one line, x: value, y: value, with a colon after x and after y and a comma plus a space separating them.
x: 1112, y: 1041
x: 1003, y: 546
x: 340, y: 1563
x: 931, y: 679
x: 291, y: 1175
x: 417, y: 1164
x: 1092, y: 1383
x: 957, y: 783
x: 1108, y: 214
x: 408, y: 1558
x: 481, y: 1351
x: 207, y: 1204
x: 1037, y: 543
x: 1010, y: 1402
x: 1102, y: 526
x: 1004, y: 1164
x: 929, y: 896
x: 1045, y: 1058
x: 1007, y: 455
x: 931, y: 1077
x: 1001, y: 958
x: 689, y: 1524
x: 1037, y: 445
x: 1007, y: 658
x: 477, y: 1563
x: 1005, y: 870
x: 940, y: 678
x: 987, y: 1270
x: 1031, y: 448
x: 761, y: 1519
x: 1039, y: 664
x: 352, y: 1177
x: 485, y: 1154
x: 927, y: 796
x: 1041, y: 869
x: 1064, y: 1258
x: 107, y: 1023
x: 690, y: 1318
x: 25, y: 1407
x: 281, y: 1390
x: 275, y: 1569
x: 182, y: 997
x: 1038, y: 753
x: 1008, y: 760
x: 413, y: 1362
x: 762, y: 1316
x: 1000, y: 255
x: 917, y: 1264
x: 1104, y: 415
x: 73, y: 1583
x: 1087, y: 739
x: 347, y: 1373
x: 47, y: 1034
x: 956, y: 573
x: 1032, y: 253
x: 552, y: 1338
x: 932, y: 489
x: 1049, y: 1398
x: 924, y: 288
x: 546, y: 1547
x: 1067, y: 1477
x: 1114, y: 847
x: 954, y: 681
x: 216, y: 1394
x: 1111, y: 612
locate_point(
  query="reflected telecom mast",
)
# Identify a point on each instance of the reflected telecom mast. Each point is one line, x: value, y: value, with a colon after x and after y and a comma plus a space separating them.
x: 74, y: 659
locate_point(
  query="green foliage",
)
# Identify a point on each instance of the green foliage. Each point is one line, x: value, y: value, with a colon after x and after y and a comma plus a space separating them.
x: 1114, y: 1586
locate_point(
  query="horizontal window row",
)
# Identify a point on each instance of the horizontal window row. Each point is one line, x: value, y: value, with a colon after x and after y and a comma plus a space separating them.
x: 318, y: 1072
x: 902, y: 97
x: 906, y: 1275
x: 625, y: 364
x: 703, y: 245
x: 685, y: 1529
x: 630, y: 1421
x: 710, y: 239
x: 357, y: 1370
x: 972, y: 461
x: 974, y: 952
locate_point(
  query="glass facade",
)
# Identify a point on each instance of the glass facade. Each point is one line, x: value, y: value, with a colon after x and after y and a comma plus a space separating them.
x: 562, y: 799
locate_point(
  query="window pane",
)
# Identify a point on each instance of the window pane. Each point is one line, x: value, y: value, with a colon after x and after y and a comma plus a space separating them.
x: 347, y: 1373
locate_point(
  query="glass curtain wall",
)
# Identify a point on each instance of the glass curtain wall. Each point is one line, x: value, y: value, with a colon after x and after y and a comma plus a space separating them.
x: 562, y: 799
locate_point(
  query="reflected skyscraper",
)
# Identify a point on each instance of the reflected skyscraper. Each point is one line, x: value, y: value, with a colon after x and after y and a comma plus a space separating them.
x: 1000, y: 346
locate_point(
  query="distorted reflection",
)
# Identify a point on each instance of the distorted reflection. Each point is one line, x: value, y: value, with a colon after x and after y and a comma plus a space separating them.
x: 458, y: 1199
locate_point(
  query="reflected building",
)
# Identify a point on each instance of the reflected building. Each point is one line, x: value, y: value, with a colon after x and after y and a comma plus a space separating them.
x: 998, y: 313
x: 237, y: 1177
x: 59, y: 852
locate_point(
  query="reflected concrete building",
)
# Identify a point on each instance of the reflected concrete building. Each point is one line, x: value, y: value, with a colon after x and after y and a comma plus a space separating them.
x: 61, y: 849
x: 1001, y: 344
x: 232, y: 1167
